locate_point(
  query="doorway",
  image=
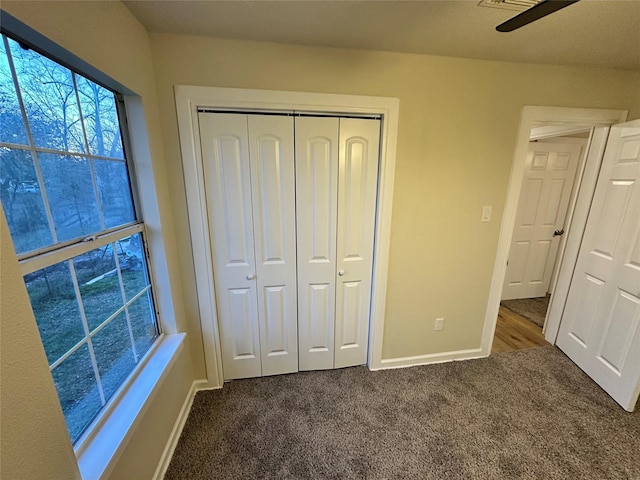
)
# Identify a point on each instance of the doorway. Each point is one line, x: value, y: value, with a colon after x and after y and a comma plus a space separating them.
x: 553, y: 164
x: 545, y: 121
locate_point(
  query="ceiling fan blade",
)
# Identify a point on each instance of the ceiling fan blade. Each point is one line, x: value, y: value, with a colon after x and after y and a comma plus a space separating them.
x: 542, y: 9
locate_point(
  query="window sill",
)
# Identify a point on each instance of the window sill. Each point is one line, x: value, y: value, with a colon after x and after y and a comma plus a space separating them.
x: 104, y: 444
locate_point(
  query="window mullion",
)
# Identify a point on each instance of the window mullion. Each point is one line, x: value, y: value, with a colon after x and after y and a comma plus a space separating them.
x: 85, y: 325
x: 88, y: 150
x: 34, y: 155
x: 111, y: 317
x: 124, y: 301
x: 123, y: 308
x: 119, y: 311
x: 70, y: 352
x: 95, y: 189
x: 84, y: 130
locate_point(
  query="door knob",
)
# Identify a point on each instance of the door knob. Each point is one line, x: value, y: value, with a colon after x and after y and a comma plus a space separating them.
x: 251, y: 276
x: 341, y: 272
x: 558, y: 233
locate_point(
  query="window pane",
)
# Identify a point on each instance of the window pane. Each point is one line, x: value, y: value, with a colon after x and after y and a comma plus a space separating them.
x: 115, y: 193
x: 143, y: 323
x: 78, y: 391
x: 133, y: 265
x: 49, y: 100
x: 100, y: 119
x: 22, y: 201
x: 114, y: 354
x: 55, y: 306
x: 12, y: 128
x: 71, y: 195
x: 99, y: 285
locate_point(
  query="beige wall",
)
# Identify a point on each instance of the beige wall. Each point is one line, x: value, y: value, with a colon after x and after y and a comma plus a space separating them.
x: 457, y: 132
x: 35, y: 443
x: 458, y: 123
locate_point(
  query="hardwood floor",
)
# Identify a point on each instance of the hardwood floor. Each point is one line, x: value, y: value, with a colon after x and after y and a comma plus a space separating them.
x: 514, y: 332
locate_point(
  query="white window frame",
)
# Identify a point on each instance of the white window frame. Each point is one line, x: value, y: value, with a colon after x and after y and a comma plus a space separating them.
x: 103, y: 442
x: 58, y: 252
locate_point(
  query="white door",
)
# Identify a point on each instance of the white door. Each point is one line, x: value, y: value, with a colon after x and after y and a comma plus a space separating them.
x: 357, y: 186
x: 546, y: 189
x: 274, y: 222
x: 316, y: 210
x: 600, y: 328
x: 225, y: 154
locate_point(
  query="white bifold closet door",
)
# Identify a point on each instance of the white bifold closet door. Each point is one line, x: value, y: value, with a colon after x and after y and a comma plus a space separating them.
x: 357, y: 192
x: 250, y: 189
x: 317, y: 211
x: 336, y: 188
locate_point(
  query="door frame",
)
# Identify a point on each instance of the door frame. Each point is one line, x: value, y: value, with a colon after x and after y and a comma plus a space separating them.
x: 534, y: 116
x: 191, y: 98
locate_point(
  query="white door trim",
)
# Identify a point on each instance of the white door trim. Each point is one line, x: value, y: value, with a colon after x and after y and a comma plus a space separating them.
x: 188, y: 100
x: 531, y: 117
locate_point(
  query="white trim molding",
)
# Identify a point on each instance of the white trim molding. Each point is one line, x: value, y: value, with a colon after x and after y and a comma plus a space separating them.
x: 101, y: 446
x: 188, y: 100
x: 176, y: 431
x: 403, y: 362
x: 535, y: 117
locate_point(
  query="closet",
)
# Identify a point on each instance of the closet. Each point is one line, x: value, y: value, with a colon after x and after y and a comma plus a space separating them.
x: 291, y: 203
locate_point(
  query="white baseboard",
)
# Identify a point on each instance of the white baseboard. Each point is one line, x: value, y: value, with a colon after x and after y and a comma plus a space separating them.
x: 403, y: 362
x: 172, y: 442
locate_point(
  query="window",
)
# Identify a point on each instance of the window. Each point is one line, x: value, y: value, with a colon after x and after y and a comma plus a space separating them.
x: 65, y: 188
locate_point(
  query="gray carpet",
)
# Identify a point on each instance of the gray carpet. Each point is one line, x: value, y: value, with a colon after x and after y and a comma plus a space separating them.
x: 534, y: 309
x: 529, y: 414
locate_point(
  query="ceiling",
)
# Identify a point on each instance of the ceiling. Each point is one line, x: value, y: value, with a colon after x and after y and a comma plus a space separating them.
x: 600, y: 33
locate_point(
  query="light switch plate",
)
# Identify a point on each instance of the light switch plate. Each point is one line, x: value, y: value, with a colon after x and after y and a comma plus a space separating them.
x: 486, y: 213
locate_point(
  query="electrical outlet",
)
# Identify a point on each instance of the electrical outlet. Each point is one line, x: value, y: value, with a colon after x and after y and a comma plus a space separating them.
x: 439, y: 325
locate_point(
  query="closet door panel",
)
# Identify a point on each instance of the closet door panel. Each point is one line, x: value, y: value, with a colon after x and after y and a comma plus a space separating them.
x: 357, y: 190
x: 316, y: 210
x: 274, y: 225
x: 320, y: 315
x: 225, y: 154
